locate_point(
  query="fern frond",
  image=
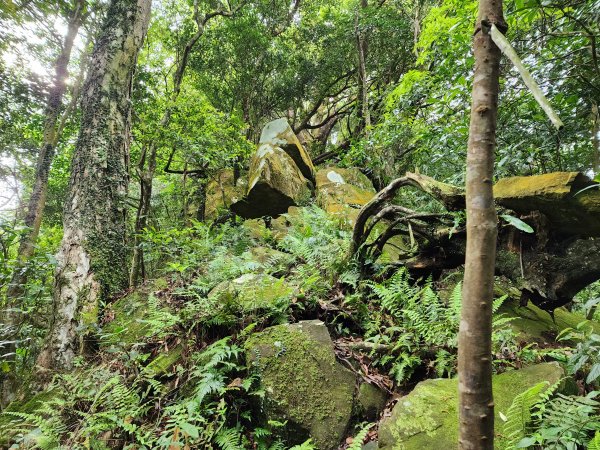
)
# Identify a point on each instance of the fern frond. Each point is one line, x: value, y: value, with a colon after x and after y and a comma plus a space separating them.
x: 519, y: 413
x: 594, y: 444
x: 229, y: 439
x: 357, y: 441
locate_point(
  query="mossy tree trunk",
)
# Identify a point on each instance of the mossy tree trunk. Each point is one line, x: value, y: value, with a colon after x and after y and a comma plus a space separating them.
x: 92, y: 258
x: 476, y: 406
x: 51, y: 134
x: 53, y: 124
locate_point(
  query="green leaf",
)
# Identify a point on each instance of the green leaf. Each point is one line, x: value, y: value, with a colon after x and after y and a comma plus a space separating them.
x: 526, y: 442
x: 594, y: 374
x: 190, y: 430
x: 517, y: 223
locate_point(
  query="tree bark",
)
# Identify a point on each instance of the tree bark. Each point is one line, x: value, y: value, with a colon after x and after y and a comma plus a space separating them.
x: 32, y: 220
x: 596, y: 138
x: 363, y: 88
x: 476, y: 406
x: 51, y: 135
x: 93, y: 255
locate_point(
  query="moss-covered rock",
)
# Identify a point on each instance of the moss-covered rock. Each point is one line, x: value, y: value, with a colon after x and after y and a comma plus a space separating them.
x: 427, y: 418
x: 273, y: 261
x: 278, y: 133
x: 303, y: 382
x: 251, y: 293
x: 127, y: 317
x: 222, y: 192
x: 536, y: 325
x: 164, y: 362
x: 339, y: 191
x: 10, y: 423
x: 274, y: 184
x: 371, y: 400
x: 557, y: 195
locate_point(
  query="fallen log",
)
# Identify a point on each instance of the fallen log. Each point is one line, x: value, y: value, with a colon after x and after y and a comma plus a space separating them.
x: 549, y: 266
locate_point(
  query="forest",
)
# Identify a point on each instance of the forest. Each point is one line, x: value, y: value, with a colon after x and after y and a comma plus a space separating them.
x: 300, y: 224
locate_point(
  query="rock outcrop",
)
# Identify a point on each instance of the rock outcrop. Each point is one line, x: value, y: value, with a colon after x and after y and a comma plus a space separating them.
x: 303, y: 383
x: 561, y: 197
x: 343, y: 191
x: 274, y: 184
x: 278, y: 133
x: 427, y: 418
x: 250, y: 294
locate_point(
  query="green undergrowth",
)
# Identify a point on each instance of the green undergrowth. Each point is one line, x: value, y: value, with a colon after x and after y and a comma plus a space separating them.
x: 171, y: 370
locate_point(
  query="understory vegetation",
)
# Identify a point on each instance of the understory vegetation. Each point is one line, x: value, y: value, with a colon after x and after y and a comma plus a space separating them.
x: 176, y: 375
x: 244, y: 224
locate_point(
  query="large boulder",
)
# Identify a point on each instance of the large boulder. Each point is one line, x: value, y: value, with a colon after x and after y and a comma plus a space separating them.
x: 278, y: 133
x: 427, y: 418
x: 222, y: 192
x: 560, y: 196
x: 275, y: 184
x: 533, y: 324
x: 303, y: 382
x: 343, y: 191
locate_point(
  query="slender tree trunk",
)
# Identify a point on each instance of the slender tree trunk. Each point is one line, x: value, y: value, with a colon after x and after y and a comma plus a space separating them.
x: 32, y: 219
x: 92, y: 258
x: 52, y: 128
x: 476, y: 406
x: 596, y: 138
x: 363, y: 88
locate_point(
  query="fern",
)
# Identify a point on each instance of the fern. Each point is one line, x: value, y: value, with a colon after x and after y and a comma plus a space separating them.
x: 519, y: 414
x: 229, y: 439
x: 307, y: 445
x: 594, y: 444
x: 358, y: 440
x: 569, y: 420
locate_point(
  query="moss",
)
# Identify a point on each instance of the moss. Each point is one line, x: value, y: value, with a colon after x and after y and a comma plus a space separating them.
x: 428, y: 416
x: 28, y: 406
x: 252, y: 292
x: 164, y: 362
x: 221, y: 192
x: 128, y: 314
x: 126, y: 326
x: 557, y: 196
x: 304, y: 383
x: 338, y: 189
x: 555, y: 184
x: 275, y: 184
x: 371, y: 400
x: 279, y: 133
x: 535, y: 324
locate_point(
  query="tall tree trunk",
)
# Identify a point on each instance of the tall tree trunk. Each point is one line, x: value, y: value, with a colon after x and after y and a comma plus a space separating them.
x: 596, y: 138
x: 52, y: 129
x: 476, y: 406
x: 363, y: 88
x: 92, y: 257
x: 32, y: 219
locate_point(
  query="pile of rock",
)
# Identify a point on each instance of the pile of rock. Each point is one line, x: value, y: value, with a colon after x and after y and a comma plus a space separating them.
x: 282, y: 175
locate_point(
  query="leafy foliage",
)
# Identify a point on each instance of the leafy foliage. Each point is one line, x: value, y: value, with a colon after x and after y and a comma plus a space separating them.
x: 586, y: 355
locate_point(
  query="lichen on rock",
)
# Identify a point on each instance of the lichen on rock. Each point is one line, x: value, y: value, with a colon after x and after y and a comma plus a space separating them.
x: 274, y: 184
x: 278, y: 133
x: 303, y: 382
x: 427, y: 418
